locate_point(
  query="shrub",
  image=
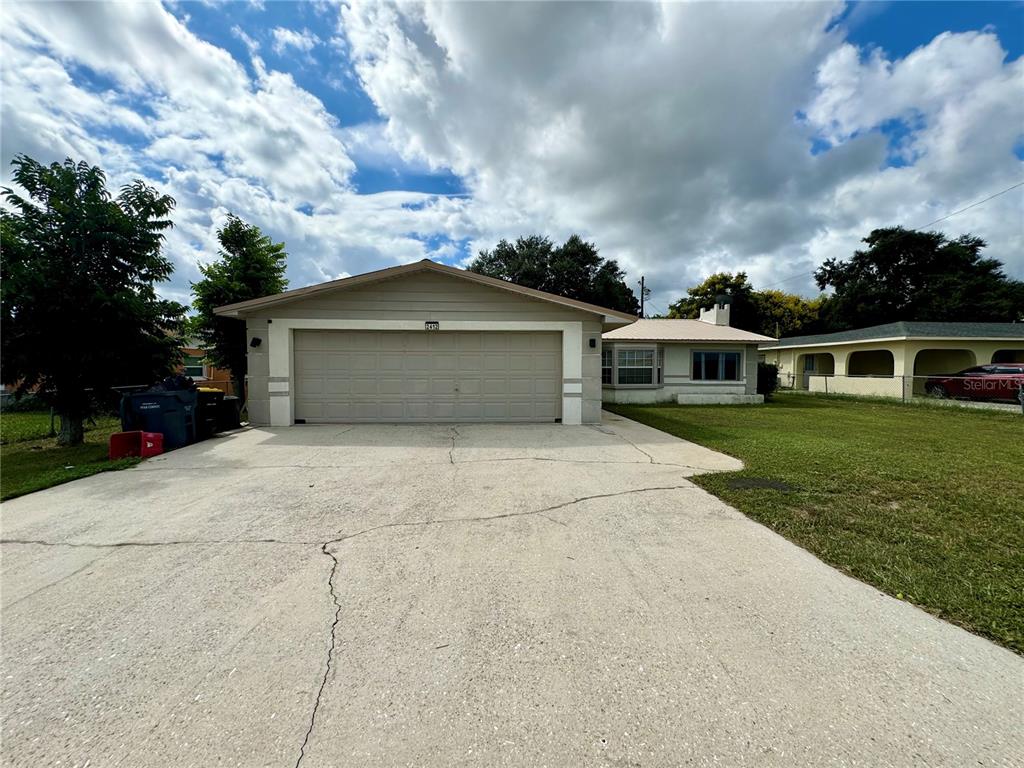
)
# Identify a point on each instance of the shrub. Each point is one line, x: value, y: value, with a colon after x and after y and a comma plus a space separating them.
x: 767, y: 379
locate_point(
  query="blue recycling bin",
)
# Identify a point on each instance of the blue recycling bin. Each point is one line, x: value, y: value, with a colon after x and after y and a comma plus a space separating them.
x: 172, y: 414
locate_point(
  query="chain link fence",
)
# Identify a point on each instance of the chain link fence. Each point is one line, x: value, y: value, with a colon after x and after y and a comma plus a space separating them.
x: 1007, y: 388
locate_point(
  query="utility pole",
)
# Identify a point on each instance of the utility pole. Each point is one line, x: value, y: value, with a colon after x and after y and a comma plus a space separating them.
x: 644, y: 293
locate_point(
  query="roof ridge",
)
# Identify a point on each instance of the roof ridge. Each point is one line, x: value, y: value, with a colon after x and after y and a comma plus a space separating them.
x: 401, y: 270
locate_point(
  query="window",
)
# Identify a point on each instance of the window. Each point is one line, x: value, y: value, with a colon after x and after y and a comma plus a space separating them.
x: 606, y: 366
x: 636, y: 366
x: 716, y: 366
x: 194, y: 366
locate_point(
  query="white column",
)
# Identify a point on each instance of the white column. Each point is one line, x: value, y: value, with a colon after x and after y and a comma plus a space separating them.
x: 280, y: 384
x: 572, y: 368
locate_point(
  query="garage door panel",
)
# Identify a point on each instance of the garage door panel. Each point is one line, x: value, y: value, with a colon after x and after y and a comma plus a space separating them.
x: 443, y: 342
x: 391, y: 361
x: 469, y: 342
x: 417, y: 362
x: 519, y: 386
x: 496, y: 387
x: 337, y: 386
x: 443, y: 361
x: 391, y: 386
x: 310, y: 385
x: 495, y: 362
x: 517, y: 361
x: 392, y: 410
x: 417, y: 376
x: 416, y: 386
x: 545, y: 386
x: 364, y: 386
x: 470, y: 387
x: 364, y: 361
x: 470, y: 363
x: 495, y: 411
x: 442, y: 411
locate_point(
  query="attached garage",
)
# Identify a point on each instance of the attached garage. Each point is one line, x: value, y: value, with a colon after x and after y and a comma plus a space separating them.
x: 423, y: 342
x: 402, y: 376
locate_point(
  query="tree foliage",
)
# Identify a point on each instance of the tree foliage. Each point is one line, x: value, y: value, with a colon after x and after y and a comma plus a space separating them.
x: 787, y: 314
x: 772, y: 313
x: 78, y: 271
x: 909, y: 275
x: 742, y: 312
x: 574, y: 269
x: 250, y: 265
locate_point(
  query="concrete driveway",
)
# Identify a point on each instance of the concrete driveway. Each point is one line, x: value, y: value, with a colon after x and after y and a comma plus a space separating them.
x: 471, y: 595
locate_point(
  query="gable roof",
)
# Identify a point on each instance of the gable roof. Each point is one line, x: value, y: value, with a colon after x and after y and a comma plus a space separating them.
x: 265, y: 302
x: 908, y: 330
x: 683, y: 330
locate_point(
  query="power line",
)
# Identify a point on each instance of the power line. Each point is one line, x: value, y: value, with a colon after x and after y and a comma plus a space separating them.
x: 972, y: 205
x: 915, y: 229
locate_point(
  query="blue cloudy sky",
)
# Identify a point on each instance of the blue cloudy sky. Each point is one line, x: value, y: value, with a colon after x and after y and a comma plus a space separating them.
x: 681, y: 138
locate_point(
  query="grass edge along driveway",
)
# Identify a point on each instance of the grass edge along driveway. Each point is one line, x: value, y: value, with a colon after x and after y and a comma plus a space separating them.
x: 30, y: 461
x: 924, y: 503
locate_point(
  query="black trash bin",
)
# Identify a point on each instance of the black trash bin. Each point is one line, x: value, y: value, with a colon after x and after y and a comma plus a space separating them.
x: 171, y: 413
x: 208, y: 405
x: 229, y: 414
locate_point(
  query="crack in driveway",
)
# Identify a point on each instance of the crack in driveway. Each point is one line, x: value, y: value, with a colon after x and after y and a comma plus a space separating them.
x: 172, y: 543
x: 325, y: 548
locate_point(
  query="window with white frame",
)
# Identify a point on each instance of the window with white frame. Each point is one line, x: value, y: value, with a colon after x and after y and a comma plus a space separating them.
x: 194, y: 367
x: 716, y: 366
x: 607, y: 356
x: 635, y: 366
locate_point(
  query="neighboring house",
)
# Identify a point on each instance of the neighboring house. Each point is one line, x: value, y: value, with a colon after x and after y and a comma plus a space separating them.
x: 195, y: 364
x: 893, y: 359
x: 423, y: 342
x: 682, y: 361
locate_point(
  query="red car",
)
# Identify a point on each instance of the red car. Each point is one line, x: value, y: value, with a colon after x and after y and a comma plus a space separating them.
x: 997, y: 381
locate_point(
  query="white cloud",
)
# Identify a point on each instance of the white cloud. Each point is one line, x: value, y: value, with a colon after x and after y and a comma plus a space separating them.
x: 184, y: 115
x: 668, y: 133
x: 303, y: 41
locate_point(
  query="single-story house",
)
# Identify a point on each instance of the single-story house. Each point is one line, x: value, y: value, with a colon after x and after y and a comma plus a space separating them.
x: 681, y: 361
x: 423, y: 342
x: 891, y: 360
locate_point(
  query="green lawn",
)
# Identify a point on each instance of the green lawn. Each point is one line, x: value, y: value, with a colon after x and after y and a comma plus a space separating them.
x: 925, y: 503
x: 30, y: 461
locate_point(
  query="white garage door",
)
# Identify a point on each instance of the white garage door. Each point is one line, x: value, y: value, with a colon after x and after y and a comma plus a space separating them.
x: 390, y: 376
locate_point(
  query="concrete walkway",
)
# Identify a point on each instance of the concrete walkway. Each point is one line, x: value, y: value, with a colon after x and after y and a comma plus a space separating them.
x: 473, y: 595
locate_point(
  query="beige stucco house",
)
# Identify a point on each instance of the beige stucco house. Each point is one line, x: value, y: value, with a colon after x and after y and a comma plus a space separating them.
x: 423, y: 342
x: 892, y: 360
x: 682, y: 361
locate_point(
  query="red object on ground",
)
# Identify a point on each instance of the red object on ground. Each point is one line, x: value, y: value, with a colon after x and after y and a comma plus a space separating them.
x: 141, y: 444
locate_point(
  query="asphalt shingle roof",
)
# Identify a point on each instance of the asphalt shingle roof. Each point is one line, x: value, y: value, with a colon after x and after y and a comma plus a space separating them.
x: 912, y: 330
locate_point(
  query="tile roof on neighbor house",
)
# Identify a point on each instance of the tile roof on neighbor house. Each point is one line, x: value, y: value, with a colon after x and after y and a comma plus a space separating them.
x: 907, y: 330
x: 682, y: 330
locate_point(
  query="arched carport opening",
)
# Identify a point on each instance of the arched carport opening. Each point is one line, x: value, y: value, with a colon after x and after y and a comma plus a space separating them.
x: 928, y: 362
x: 872, y: 362
x: 1008, y: 356
x: 819, y: 363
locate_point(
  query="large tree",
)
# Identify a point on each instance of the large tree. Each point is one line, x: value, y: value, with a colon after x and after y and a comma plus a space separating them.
x: 909, y: 275
x: 78, y: 270
x: 251, y: 265
x: 772, y: 313
x: 787, y: 314
x: 743, y: 310
x: 574, y: 269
